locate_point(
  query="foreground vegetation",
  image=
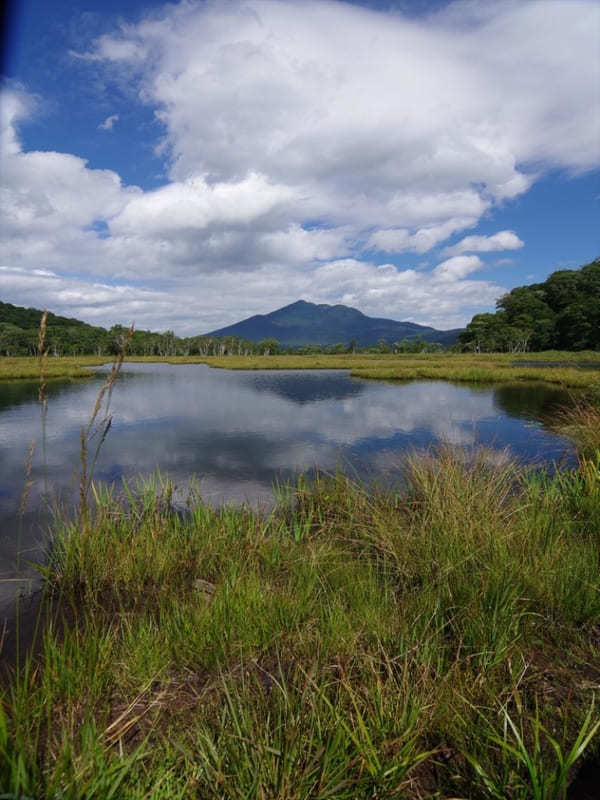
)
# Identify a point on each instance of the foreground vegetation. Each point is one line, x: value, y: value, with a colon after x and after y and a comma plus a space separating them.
x: 486, y: 368
x: 439, y: 639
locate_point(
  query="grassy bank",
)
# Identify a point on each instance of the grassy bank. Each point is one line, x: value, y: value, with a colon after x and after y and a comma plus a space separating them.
x: 485, y: 368
x: 482, y: 372
x: 28, y: 367
x: 439, y: 640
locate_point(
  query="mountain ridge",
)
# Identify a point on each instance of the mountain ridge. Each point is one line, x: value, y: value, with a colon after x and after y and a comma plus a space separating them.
x: 305, y: 323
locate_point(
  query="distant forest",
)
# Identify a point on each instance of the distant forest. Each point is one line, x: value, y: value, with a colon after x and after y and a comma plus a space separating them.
x: 561, y: 313
x: 20, y: 329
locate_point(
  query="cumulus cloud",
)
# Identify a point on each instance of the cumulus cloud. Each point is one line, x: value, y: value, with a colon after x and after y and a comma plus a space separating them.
x: 397, y: 240
x: 109, y: 123
x: 503, y: 240
x: 457, y: 267
x: 307, y: 94
x: 297, y: 140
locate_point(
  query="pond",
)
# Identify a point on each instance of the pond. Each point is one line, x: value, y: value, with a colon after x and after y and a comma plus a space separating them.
x: 239, y: 432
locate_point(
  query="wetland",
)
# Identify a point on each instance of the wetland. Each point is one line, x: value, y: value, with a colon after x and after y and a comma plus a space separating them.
x: 301, y: 583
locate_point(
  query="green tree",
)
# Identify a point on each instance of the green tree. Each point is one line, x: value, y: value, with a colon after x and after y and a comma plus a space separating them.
x: 269, y: 347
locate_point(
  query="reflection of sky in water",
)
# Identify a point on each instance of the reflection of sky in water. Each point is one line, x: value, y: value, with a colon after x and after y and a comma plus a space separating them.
x: 239, y: 431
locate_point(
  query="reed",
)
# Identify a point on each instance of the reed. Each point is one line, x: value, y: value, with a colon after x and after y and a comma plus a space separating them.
x: 98, y: 426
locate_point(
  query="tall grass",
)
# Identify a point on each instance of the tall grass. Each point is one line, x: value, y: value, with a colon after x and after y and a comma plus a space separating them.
x: 434, y: 640
x: 581, y: 422
x: 98, y: 427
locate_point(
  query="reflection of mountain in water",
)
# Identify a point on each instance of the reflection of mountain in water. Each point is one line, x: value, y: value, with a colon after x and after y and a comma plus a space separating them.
x: 306, y: 388
x: 520, y: 401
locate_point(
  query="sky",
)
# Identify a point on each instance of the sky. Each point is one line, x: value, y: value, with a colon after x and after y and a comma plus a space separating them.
x: 186, y: 165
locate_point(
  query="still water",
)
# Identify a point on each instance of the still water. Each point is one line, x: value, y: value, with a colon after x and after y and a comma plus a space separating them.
x: 238, y: 432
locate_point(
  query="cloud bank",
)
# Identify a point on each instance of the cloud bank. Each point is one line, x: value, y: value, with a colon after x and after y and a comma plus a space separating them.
x: 301, y: 141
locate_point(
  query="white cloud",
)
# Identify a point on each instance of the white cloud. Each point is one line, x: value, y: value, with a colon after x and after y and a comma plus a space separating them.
x: 109, y: 122
x: 96, y: 302
x: 503, y: 240
x: 16, y: 105
x: 194, y: 204
x: 457, y: 267
x: 299, y: 137
x: 397, y: 240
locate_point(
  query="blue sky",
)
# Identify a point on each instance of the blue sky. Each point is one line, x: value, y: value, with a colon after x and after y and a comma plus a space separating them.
x: 187, y: 165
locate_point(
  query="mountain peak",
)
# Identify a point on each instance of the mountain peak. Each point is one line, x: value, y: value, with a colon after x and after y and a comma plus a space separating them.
x: 305, y: 323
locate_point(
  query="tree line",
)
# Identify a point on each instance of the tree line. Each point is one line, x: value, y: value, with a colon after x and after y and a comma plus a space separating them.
x: 562, y: 313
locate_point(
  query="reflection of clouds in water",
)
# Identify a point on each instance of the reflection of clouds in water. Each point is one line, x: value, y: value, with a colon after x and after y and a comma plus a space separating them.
x: 215, y: 401
x: 380, y: 410
x: 234, y: 427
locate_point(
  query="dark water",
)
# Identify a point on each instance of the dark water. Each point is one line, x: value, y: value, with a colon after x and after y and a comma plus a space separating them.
x: 238, y: 432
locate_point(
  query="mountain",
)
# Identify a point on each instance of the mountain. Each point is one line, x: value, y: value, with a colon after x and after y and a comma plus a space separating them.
x: 28, y: 318
x: 303, y: 323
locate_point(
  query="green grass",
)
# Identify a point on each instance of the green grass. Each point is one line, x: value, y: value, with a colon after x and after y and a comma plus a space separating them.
x: 28, y: 367
x: 486, y: 368
x: 581, y: 422
x: 434, y: 640
x: 570, y: 377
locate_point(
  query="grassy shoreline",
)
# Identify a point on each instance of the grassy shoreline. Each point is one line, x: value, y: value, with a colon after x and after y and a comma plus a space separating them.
x: 488, y: 368
x: 439, y: 640
x: 28, y: 367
